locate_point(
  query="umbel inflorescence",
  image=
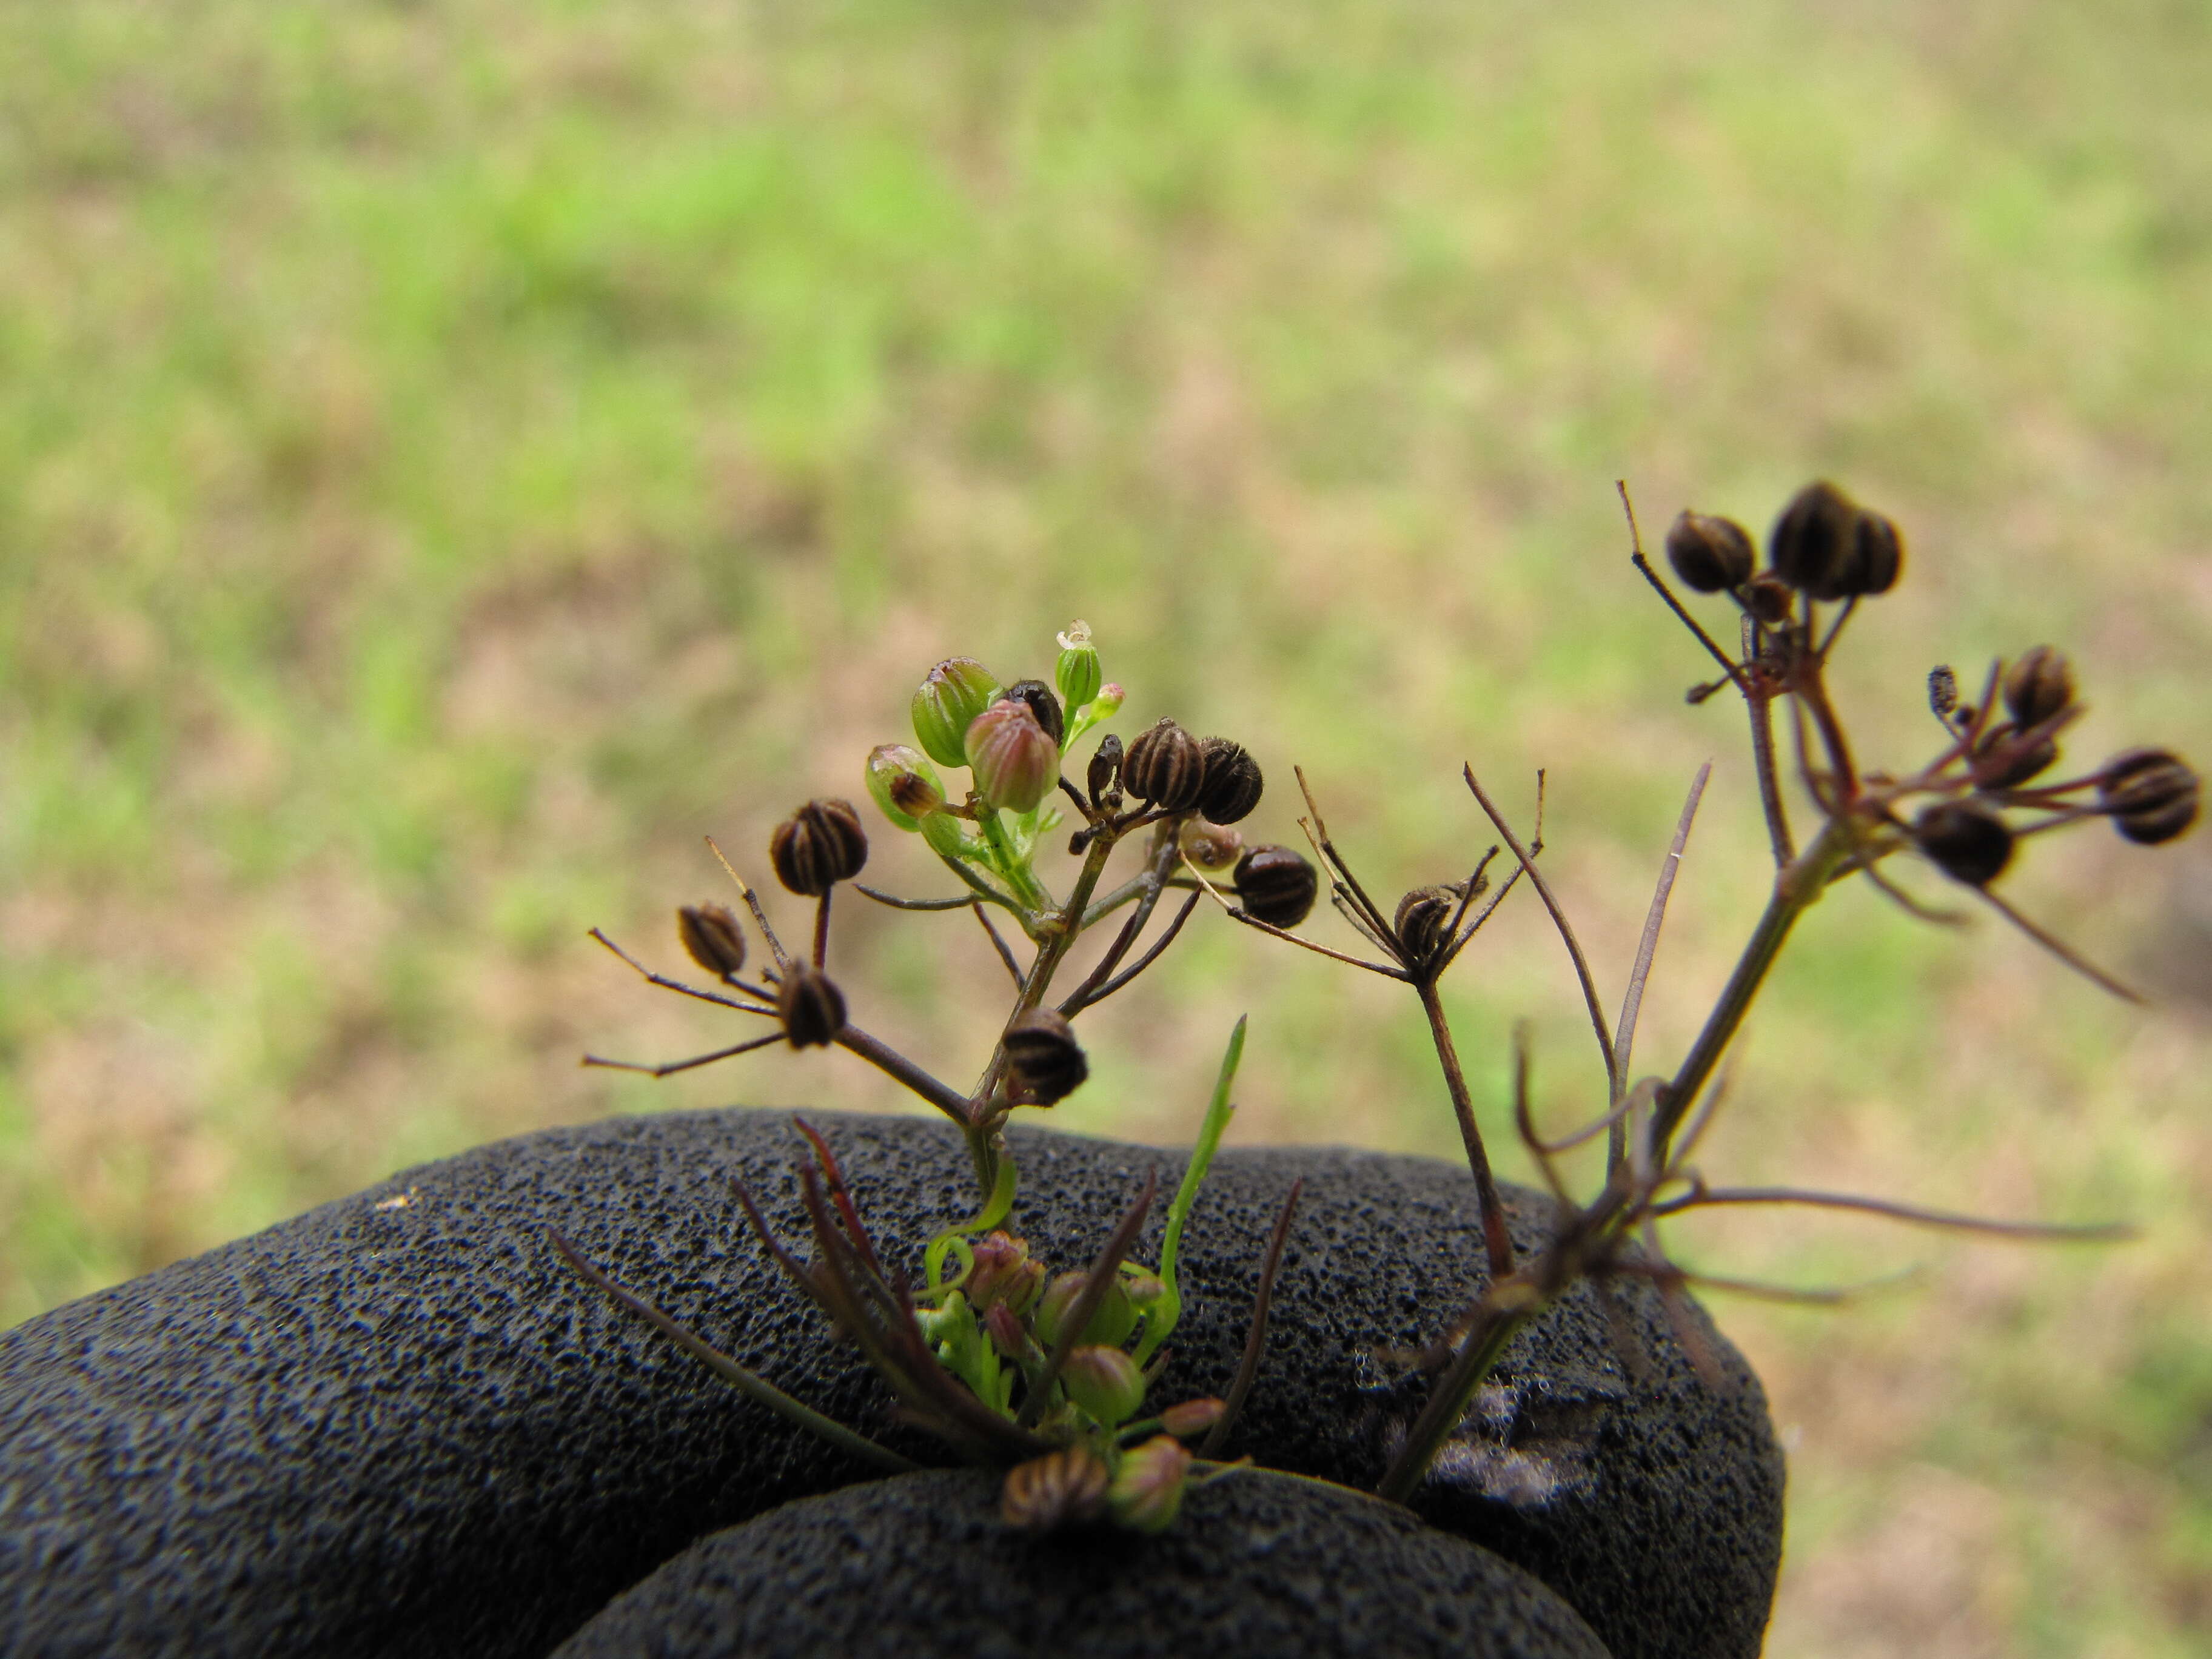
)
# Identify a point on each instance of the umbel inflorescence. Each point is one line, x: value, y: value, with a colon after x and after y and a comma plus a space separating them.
x: 1050, y: 1374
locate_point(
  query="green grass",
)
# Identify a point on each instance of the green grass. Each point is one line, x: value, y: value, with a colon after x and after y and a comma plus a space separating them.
x: 454, y: 456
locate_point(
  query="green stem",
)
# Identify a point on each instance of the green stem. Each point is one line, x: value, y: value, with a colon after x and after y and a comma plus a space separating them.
x: 1056, y: 935
x: 1114, y: 901
x: 1167, y: 1313
x: 1015, y: 869
x: 1797, y: 888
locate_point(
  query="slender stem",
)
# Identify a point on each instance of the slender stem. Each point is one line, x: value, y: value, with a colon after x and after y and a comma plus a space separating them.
x: 822, y: 926
x: 1248, y: 920
x: 984, y: 890
x: 1026, y: 886
x: 1917, y: 1215
x: 1151, y: 955
x: 878, y: 1053
x: 1734, y: 674
x: 1056, y: 934
x: 1133, y: 887
x: 752, y: 902
x: 1760, y: 702
x: 1565, y: 930
x: 676, y: 985
x: 1631, y: 1004
x: 754, y: 1387
x: 1497, y: 1242
x: 2058, y: 947
x: 1013, y: 968
x: 676, y: 1065
x: 1317, y: 832
x: 1149, y: 882
x: 1447, y: 1403
x: 1255, y: 1336
x: 1813, y: 692
x: 896, y: 903
x: 1797, y: 887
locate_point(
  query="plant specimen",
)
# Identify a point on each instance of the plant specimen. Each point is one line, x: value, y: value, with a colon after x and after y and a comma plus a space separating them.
x: 1047, y: 1375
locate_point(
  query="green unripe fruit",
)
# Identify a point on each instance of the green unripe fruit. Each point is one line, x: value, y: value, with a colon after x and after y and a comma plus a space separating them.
x: 957, y: 690
x: 1147, y: 1488
x: 1110, y: 1324
x: 1078, y: 673
x: 1104, y: 1383
x: 952, y: 837
x: 903, y: 784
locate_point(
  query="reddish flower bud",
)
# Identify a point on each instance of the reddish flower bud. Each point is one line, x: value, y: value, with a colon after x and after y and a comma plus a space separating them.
x: 1146, y: 1491
x: 1015, y: 761
x: 1004, y: 1275
x: 1192, y: 1417
x: 818, y: 846
x: 1004, y: 1327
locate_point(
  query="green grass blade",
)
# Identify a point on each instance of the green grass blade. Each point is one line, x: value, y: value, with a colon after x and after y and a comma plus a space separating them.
x: 1161, y: 1321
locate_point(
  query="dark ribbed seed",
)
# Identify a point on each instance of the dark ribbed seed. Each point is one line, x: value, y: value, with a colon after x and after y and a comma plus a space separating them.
x: 1813, y: 545
x: 818, y: 846
x: 1877, y: 554
x: 2151, y: 795
x: 1044, y: 1056
x: 1709, y: 552
x: 1166, y: 767
x: 711, y: 934
x: 1423, y: 917
x: 1231, y: 784
x: 2040, y: 685
x: 1967, y: 842
x: 1105, y: 768
x: 2007, y: 757
x: 1042, y: 704
x: 1276, y: 885
x: 812, y: 1007
x: 1769, y: 599
x: 1060, y: 1489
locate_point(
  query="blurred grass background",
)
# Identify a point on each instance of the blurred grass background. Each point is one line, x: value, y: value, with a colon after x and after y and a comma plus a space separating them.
x: 454, y: 455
